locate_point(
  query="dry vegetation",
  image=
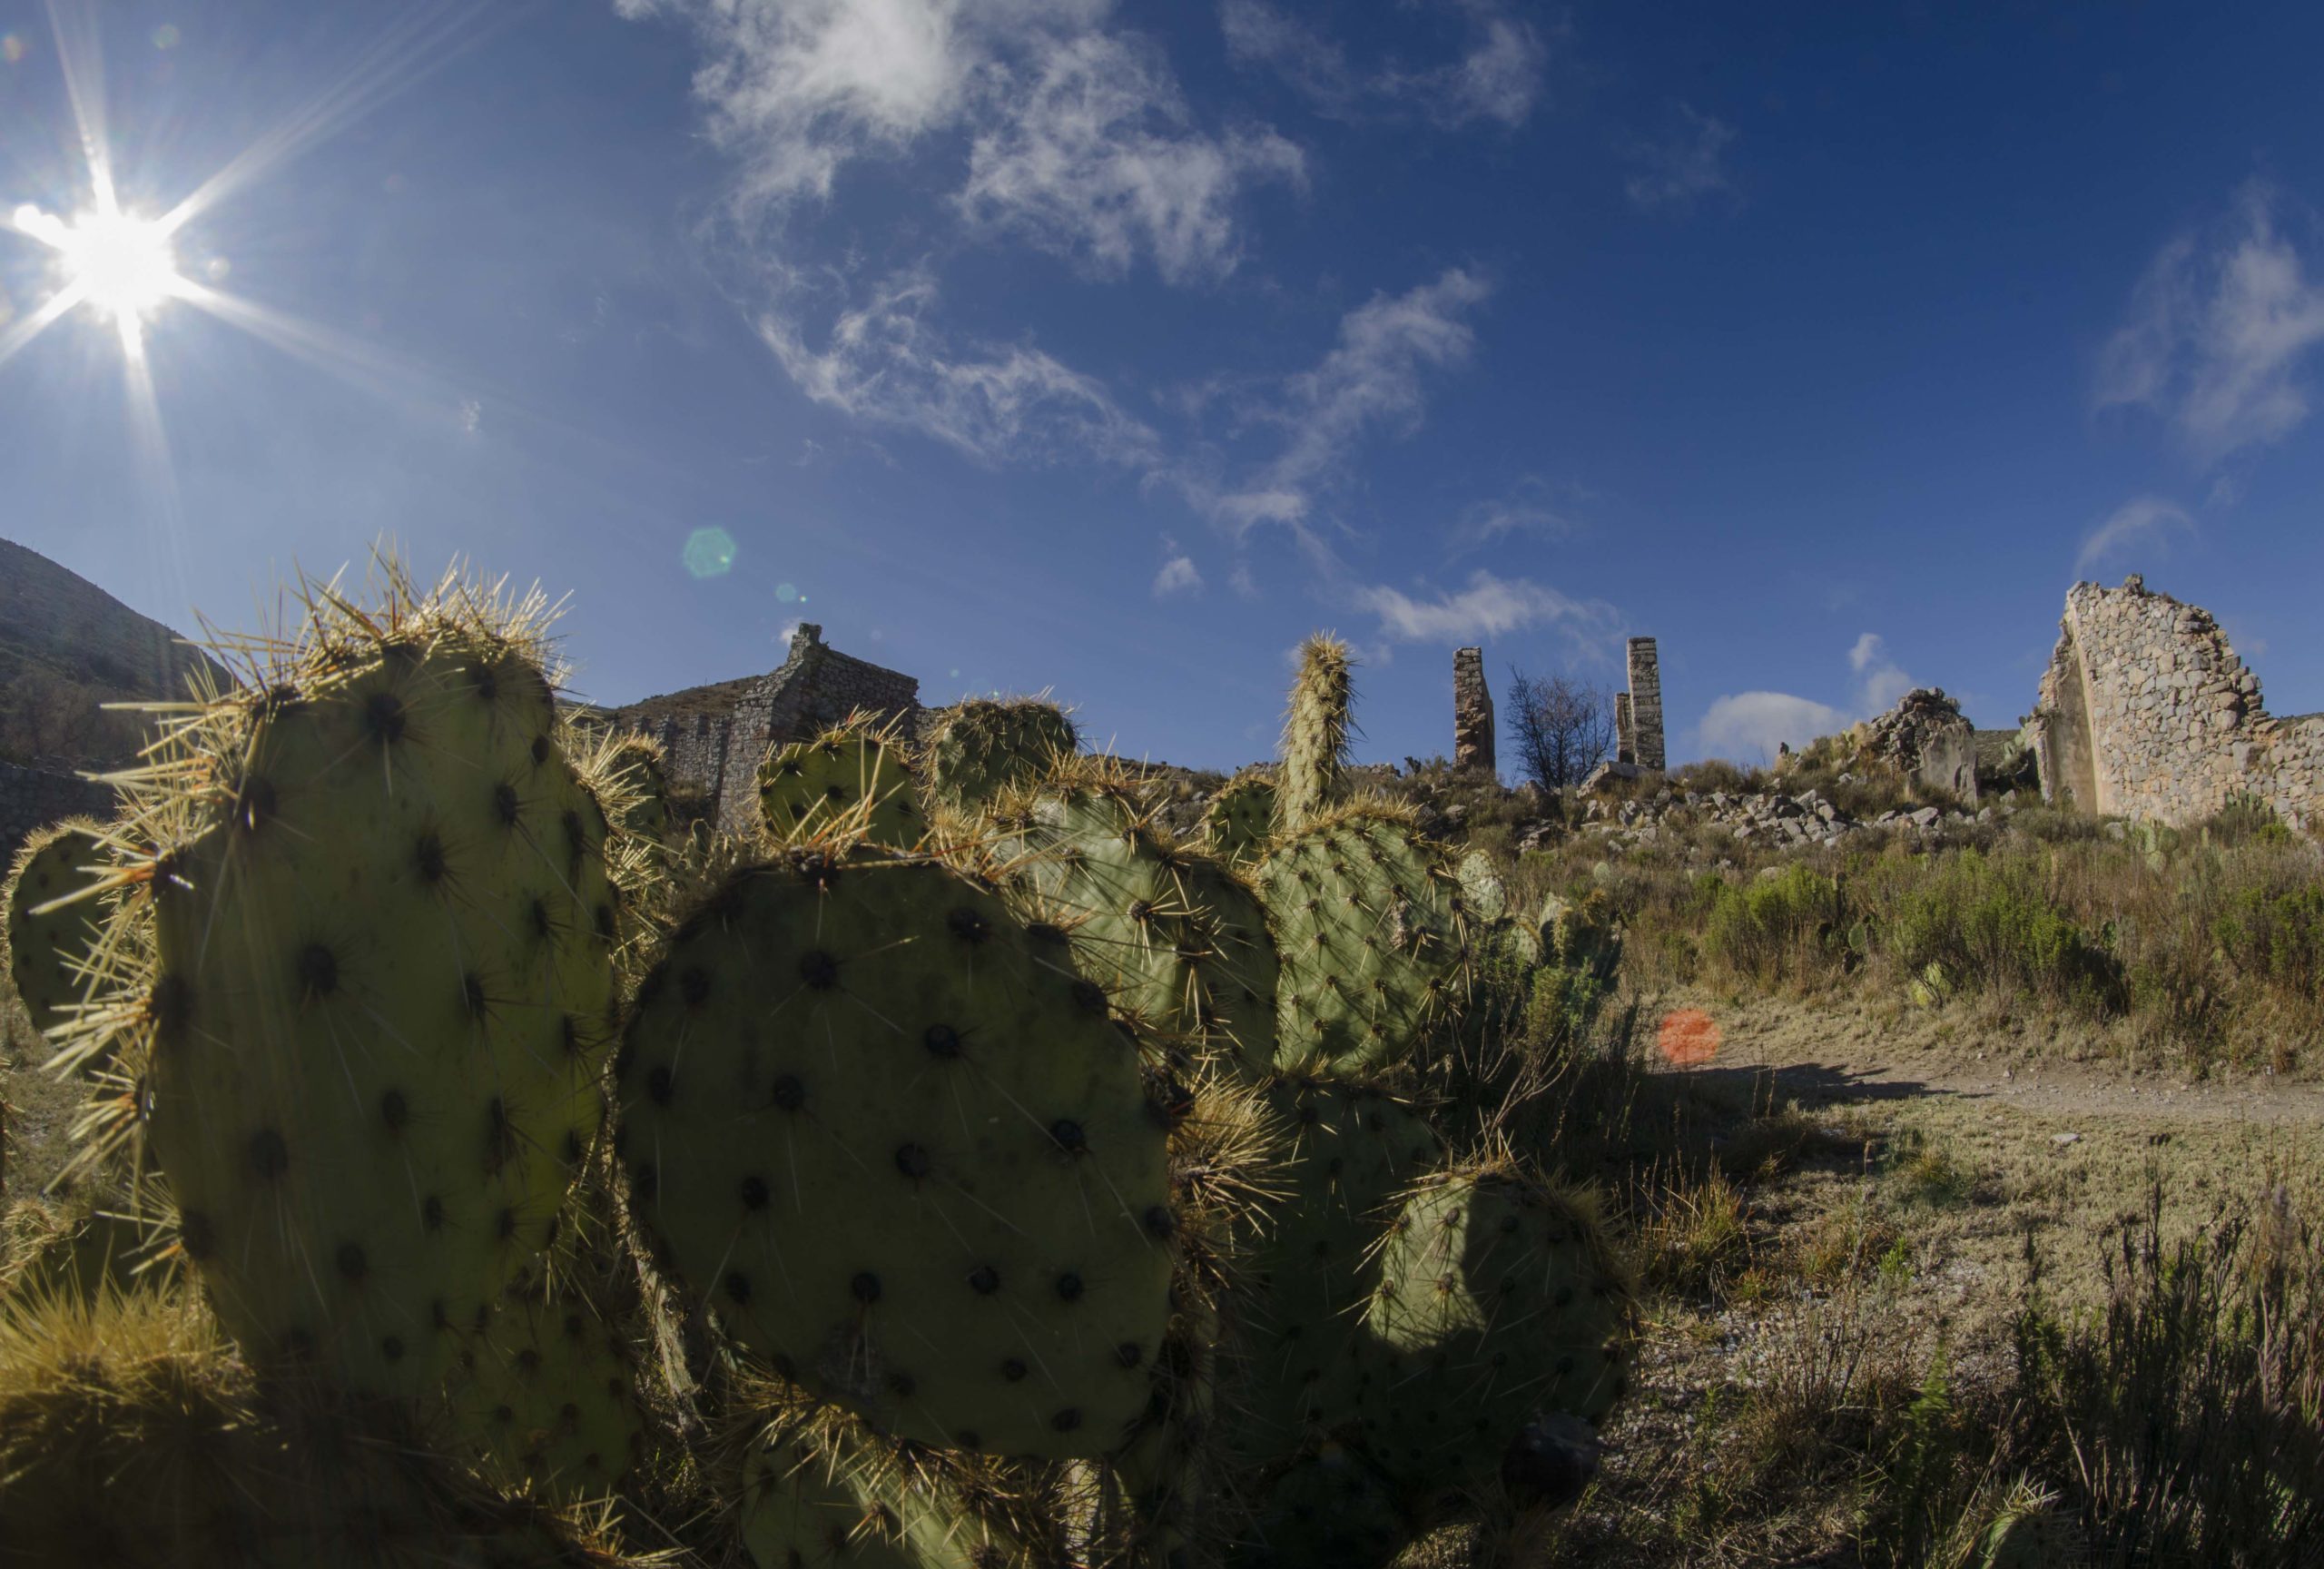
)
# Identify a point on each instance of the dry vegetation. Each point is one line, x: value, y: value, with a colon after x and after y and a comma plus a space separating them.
x: 2046, y: 1288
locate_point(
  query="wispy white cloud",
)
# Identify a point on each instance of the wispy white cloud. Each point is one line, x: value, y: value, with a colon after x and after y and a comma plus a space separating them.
x: 1880, y: 681
x: 885, y: 362
x: 1498, y: 76
x: 1489, y: 607
x: 2219, y: 328
x: 1750, y: 726
x: 2143, y: 523
x: 1685, y: 164
x: 1373, y: 379
x: 1179, y: 574
x: 1527, y: 508
x: 1096, y: 159
x: 1078, y: 138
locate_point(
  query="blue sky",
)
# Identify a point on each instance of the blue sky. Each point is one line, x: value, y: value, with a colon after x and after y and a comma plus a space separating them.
x: 1110, y: 348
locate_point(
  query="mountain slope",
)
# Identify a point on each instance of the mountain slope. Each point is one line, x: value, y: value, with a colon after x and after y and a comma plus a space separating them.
x: 66, y: 647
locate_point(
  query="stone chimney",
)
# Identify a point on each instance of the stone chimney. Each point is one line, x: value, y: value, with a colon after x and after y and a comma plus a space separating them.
x: 1473, y: 723
x: 1646, y: 704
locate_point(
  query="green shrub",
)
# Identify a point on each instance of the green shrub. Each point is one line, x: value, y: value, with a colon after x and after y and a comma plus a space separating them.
x: 1779, y: 929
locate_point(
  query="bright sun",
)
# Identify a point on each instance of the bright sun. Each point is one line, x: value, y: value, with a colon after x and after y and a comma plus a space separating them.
x: 120, y: 264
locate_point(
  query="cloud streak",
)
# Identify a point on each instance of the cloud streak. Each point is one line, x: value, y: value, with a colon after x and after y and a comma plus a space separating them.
x: 885, y: 362
x: 1373, y: 379
x: 2219, y: 328
x: 1489, y: 607
x: 1679, y: 169
x: 1497, y: 77
x: 2145, y: 523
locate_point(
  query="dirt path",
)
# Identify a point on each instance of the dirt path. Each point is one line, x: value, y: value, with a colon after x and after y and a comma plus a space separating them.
x: 1834, y: 1053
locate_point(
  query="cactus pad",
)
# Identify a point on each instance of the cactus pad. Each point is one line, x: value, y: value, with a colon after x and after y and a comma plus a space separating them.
x: 983, y: 747
x: 1176, y: 937
x: 45, y: 947
x: 823, y: 1493
x: 1315, y: 733
x: 900, y: 1145
x: 548, y: 1392
x: 1349, y: 1153
x: 853, y: 779
x: 382, y: 988
x: 1498, y: 1302
x: 1240, y: 819
x: 1373, y: 943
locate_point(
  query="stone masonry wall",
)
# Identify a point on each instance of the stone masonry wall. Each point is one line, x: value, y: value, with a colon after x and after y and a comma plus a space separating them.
x: 1646, y: 704
x: 32, y: 798
x: 2146, y: 711
x: 815, y: 688
x: 1472, y: 725
x: 1625, y: 737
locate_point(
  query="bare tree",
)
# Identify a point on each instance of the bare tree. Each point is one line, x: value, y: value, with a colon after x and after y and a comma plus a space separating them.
x: 1563, y: 728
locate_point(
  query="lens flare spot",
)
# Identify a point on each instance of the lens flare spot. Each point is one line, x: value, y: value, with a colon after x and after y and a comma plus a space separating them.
x: 785, y: 593
x: 166, y: 36
x: 710, y: 553
x: 12, y: 48
x: 1689, y: 1037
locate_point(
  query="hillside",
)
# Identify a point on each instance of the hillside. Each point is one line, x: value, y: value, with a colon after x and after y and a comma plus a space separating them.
x: 67, y: 648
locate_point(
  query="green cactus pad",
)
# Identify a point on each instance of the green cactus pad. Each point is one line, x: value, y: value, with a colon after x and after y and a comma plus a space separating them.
x: 1498, y: 1302
x: 1348, y: 1154
x: 1581, y: 934
x: 983, y: 747
x: 1373, y: 943
x: 1327, y: 1511
x: 547, y: 1391
x: 44, y: 948
x: 383, y: 989
x: 1483, y: 893
x: 899, y: 1143
x: 132, y: 1435
x: 637, y: 764
x: 1176, y: 937
x: 1240, y: 819
x: 1317, y: 729
x: 852, y: 780
x: 822, y: 1494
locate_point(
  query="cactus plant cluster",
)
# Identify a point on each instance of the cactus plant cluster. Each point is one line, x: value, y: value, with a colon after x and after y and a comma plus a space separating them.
x: 1042, y: 1190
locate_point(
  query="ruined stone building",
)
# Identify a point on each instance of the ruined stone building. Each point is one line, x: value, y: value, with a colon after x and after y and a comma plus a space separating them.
x: 2145, y: 711
x: 1474, y: 743
x: 716, y: 736
x: 1638, y: 713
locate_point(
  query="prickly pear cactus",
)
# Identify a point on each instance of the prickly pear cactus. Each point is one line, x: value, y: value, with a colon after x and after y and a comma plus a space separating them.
x: 381, y: 983
x: 1315, y: 733
x: 1174, y: 936
x: 900, y: 1145
x: 1373, y: 947
x: 821, y: 1492
x: 45, y: 946
x: 1485, y: 896
x: 852, y: 780
x: 636, y: 764
x: 1581, y: 934
x: 547, y: 1392
x: 984, y: 747
x: 1347, y: 1155
x: 1240, y: 819
x: 1331, y: 1510
x: 1498, y: 1302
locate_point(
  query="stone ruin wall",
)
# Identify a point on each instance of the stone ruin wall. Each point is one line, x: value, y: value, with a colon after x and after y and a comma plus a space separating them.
x: 1473, y: 742
x: 1646, y: 704
x: 2145, y: 711
x: 817, y: 685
